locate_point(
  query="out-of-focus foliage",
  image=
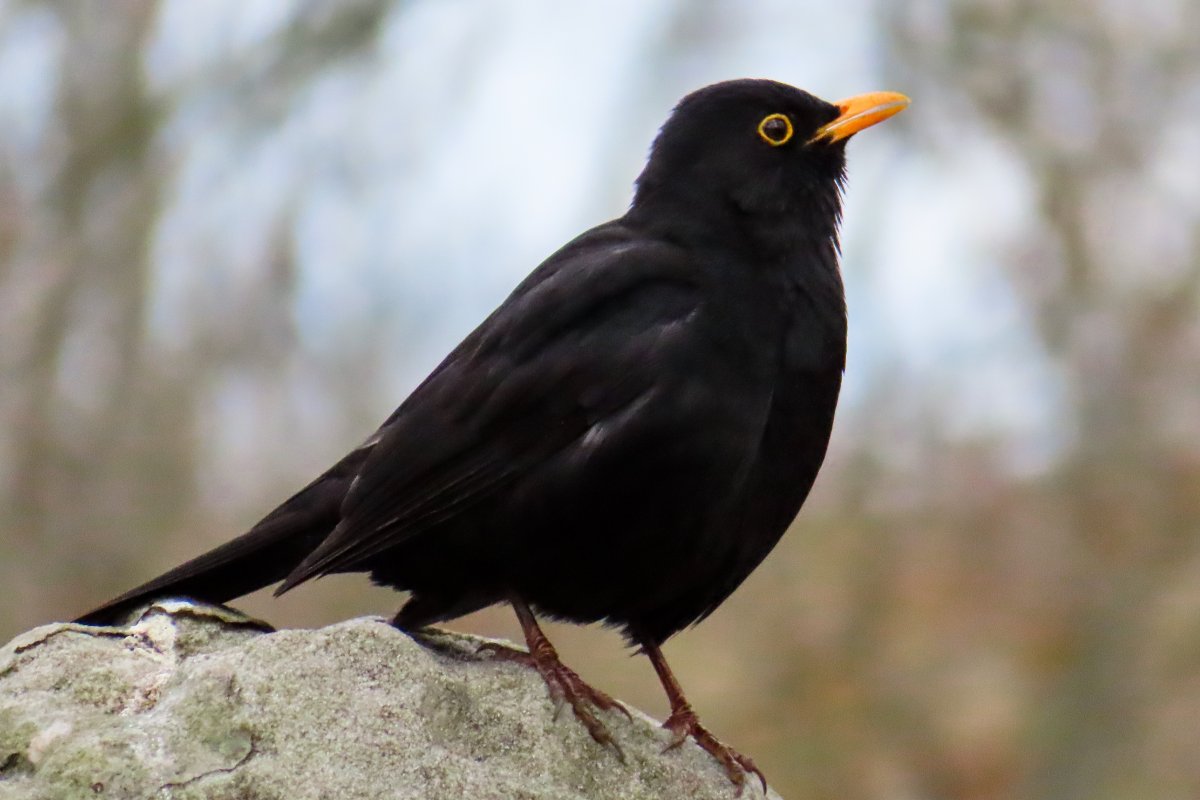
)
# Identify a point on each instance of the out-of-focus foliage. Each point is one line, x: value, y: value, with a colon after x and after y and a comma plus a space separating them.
x: 104, y: 410
x: 965, y: 609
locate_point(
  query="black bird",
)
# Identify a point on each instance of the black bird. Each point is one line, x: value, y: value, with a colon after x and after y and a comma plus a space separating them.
x: 628, y: 435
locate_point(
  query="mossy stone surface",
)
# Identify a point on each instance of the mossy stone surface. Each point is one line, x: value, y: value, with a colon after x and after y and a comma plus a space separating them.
x: 198, y: 702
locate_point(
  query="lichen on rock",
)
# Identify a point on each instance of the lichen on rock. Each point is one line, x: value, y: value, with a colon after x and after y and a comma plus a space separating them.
x: 193, y: 701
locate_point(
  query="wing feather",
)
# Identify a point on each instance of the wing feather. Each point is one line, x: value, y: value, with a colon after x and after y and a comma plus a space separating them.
x: 566, y: 350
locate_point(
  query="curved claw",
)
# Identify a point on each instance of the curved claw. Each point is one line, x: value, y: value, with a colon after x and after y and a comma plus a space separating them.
x: 676, y: 741
x: 566, y: 687
x: 684, y: 725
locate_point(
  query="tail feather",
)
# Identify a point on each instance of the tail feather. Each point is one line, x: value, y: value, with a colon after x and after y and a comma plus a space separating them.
x: 260, y: 557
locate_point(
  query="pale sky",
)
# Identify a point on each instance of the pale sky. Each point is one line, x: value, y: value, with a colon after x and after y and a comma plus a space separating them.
x: 488, y: 133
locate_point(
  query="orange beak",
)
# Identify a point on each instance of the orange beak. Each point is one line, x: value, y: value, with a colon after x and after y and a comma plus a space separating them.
x: 858, y: 112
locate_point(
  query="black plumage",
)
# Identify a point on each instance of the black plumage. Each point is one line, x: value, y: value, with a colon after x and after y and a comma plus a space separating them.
x: 628, y: 435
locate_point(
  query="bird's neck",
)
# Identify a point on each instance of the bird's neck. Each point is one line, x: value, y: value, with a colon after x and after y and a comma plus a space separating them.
x: 798, y: 239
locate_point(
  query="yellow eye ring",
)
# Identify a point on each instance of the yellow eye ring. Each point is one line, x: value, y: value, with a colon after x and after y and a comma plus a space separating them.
x: 772, y: 132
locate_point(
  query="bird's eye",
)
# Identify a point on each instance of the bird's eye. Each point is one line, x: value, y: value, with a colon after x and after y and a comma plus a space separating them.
x: 775, y: 129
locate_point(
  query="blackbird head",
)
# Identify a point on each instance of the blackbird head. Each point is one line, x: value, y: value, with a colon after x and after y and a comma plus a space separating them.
x: 747, y: 150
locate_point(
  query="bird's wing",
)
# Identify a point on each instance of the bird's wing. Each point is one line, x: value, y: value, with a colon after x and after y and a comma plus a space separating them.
x: 576, y: 343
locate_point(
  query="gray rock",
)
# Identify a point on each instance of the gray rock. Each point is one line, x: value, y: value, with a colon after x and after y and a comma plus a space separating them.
x: 199, y: 702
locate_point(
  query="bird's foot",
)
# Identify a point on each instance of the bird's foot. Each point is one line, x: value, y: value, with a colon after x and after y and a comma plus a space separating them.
x: 565, y: 686
x: 684, y: 724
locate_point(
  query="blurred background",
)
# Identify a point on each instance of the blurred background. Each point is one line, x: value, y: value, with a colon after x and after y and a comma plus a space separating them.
x: 234, y: 235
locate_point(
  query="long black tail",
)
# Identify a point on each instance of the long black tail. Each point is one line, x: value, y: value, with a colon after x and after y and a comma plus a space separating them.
x: 263, y: 555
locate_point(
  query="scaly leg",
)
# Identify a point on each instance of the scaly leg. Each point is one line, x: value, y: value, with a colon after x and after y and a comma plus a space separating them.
x: 563, y: 683
x: 683, y: 722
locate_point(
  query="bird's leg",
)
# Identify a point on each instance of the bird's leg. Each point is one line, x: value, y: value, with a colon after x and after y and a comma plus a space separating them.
x: 684, y: 723
x: 562, y: 681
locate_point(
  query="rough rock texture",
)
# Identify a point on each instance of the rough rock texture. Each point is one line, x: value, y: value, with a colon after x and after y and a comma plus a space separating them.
x: 198, y: 702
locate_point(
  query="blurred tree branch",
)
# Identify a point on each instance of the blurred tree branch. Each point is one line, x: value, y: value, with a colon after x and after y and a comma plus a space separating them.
x: 1085, y: 99
x: 93, y: 403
